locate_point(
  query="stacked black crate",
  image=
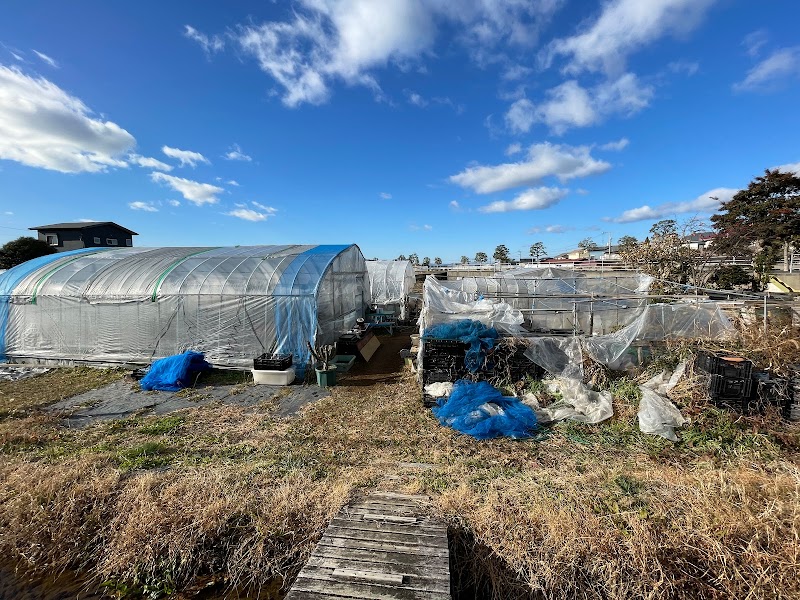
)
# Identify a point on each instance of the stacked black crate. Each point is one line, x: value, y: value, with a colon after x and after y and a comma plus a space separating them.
x: 730, y: 380
x: 442, y: 360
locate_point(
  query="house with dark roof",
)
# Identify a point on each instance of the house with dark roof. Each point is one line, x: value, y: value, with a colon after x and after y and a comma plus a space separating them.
x: 89, y: 234
x: 699, y: 240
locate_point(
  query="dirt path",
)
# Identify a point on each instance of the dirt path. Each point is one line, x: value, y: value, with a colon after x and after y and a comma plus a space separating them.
x: 386, y: 364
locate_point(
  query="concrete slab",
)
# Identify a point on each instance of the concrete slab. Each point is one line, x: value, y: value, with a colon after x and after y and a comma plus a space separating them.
x: 123, y: 399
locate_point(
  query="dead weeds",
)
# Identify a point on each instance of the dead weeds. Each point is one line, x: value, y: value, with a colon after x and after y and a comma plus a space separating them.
x: 152, y: 504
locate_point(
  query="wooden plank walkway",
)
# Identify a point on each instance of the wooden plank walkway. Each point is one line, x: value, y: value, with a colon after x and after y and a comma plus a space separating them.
x: 383, y: 547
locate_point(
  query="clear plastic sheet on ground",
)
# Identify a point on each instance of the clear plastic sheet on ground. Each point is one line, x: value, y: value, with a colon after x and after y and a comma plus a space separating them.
x: 657, y: 414
x: 439, y: 389
x: 577, y: 402
x: 481, y: 411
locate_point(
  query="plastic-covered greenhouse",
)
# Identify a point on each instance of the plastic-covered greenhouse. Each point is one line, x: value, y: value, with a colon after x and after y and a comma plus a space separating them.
x: 138, y: 304
x: 390, y: 282
x: 561, y: 300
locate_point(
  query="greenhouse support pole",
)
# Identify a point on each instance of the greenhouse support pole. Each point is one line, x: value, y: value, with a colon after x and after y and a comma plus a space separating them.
x: 765, y: 314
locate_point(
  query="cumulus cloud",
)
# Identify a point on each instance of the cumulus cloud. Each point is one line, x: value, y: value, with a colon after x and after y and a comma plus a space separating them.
x: 325, y: 41
x: 149, y: 163
x: 543, y: 160
x: 415, y: 99
x: 233, y: 182
x: 46, y: 59
x: 790, y: 168
x: 209, y: 44
x: 235, y: 153
x: 705, y: 203
x: 556, y: 229
x: 532, y: 199
x: 622, y: 27
x: 174, y: 202
x: 571, y: 105
x: 41, y: 125
x: 145, y: 206
x: 770, y: 73
x: 454, y: 205
x: 513, y: 149
x: 186, y: 157
x: 194, y: 191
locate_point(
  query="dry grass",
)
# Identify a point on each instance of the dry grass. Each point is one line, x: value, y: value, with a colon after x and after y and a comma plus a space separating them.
x: 152, y: 505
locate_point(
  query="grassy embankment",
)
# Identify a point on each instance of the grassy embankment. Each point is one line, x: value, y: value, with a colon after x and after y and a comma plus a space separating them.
x: 156, y: 505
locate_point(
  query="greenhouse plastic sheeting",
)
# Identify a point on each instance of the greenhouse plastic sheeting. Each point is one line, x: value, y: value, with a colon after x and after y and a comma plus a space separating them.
x: 443, y: 305
x: 659, y: 322
x: 390, y: 281
x: 138, y: 304
x: 561, y: 299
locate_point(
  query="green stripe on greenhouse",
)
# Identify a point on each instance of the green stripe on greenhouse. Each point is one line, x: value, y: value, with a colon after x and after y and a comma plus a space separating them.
x: 57, y: 268
x: 173, y: 266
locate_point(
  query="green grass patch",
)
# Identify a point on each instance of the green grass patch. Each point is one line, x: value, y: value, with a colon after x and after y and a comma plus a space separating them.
x: 164, y: 425
x: 149, y: 455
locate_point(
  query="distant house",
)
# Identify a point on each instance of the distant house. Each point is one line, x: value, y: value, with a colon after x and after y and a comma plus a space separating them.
x: 91, y: 234
x: 593, y: 253
x: 700, y: 240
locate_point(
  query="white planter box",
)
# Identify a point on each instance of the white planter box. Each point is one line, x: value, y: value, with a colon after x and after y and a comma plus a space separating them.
x: 273, y: 377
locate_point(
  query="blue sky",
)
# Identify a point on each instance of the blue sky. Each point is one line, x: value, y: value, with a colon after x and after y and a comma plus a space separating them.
x: 441, y: 127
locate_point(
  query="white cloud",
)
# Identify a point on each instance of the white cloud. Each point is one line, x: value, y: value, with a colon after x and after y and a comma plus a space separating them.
x: 754, y: 41
x: 149, y: 163
x: 428, y: 227
x: 790, y: 168
x: 454, y: 205
x: 685, y: 67
x: 620, y: 144
x: 571, y: 105
x: 145, y: 206
x: 543, y: 160
x: 248, y: 214
x: 174, y: 202
x: 513, y: 149
x: 233, y: 182
x: 186, y: 157
x: 704, y: 203
x: 194, y: 191
x: 235, y: 153
x: 268, y: 209
x: 556, y: 229
x: 46, y: 59
x: 772, y: 71
x: 8, y: 213
x: 623, y: 27
x: 532, y: 199
x: 415, y: 99
x: 325, y: 41
x: 41, y: 125
x: 385, y: 195
x: 514, y: 72
x: 209, y: 44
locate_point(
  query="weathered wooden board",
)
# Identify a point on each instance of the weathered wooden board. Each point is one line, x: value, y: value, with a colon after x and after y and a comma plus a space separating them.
x: 382, y: 547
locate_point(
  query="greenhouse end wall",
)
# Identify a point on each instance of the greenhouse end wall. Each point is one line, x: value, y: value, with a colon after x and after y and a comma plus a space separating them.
x: 135, y: 305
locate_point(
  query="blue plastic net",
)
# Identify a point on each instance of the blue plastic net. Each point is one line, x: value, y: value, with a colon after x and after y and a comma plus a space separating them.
x: 480, y: 410
x: 479, y: 337
x: 175, y: 372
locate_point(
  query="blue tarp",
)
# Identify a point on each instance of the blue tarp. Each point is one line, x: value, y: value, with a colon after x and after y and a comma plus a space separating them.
x: 480, y: 410
x: 479, y: 337
x: 174, y: 373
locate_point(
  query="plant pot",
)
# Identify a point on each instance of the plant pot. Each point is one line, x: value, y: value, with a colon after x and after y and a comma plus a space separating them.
x: 326, y: 377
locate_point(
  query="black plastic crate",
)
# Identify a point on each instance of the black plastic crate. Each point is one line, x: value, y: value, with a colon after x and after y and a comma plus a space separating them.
x: 272, y: 362
x: 721, y: 388
x: 728, y: 366
x: 448, y: 346
x: 438, y: 375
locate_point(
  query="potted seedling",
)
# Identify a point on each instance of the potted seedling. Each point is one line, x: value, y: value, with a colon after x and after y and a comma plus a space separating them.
x: 326, y: 372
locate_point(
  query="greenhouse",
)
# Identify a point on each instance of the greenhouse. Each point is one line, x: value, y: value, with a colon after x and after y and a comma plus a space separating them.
x: 133, y: 305
x: 390, y: 282
x: 554, y: 300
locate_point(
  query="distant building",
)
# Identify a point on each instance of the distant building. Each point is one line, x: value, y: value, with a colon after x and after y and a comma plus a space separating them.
x: 593, y: 253
x: 91, y: 234
x: 700, y: 240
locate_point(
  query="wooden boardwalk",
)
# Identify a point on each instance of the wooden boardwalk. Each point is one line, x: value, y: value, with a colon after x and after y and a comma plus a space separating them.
x: 383, y: 547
